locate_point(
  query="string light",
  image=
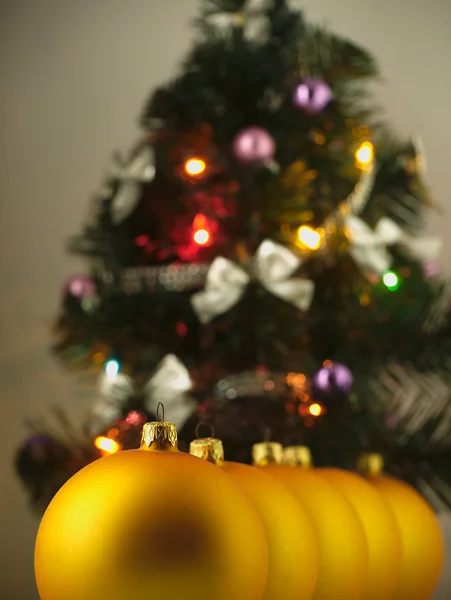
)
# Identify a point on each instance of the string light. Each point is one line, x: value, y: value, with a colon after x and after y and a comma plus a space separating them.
x: 365, y: 153
x: 201, y: 237
x: 195, y: 167
x: 309, y: 237
x: 315, y: 409
x: 106, y: 444
x: 391, y: 280
x: 112, y: 368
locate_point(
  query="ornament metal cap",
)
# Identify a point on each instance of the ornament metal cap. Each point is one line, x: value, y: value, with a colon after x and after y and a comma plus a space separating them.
x: 209, y: 449
x: 371, y: 464
x: 298, y: 456
x: 159, y: 435
x: 267, y: 453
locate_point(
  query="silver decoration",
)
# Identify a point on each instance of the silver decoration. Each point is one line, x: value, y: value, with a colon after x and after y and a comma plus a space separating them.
x: 251, y: 383
x: 368, y: 247
x: 252, y: 19
x: 169, y: 384
x: 131, y: 173
x: 358, y: 199
x: 174, y: 278
x: 273, y: 266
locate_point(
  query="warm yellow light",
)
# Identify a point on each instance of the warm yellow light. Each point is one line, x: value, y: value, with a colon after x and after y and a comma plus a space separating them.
x: 315, y: 410
x: 106, y: 444
x: 309, y: 237
x: 365, y: 153
x: 201, y: 237
x: 195, y: 166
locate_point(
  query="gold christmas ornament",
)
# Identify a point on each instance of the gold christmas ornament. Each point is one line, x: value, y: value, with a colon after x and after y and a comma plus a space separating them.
x: 292, y: 542
x: 421, y: 538
x: 343, y: 551
x: 152, y: 522
x: 381, y: 530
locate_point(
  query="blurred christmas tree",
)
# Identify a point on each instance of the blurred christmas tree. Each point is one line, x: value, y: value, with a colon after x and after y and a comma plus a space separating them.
x: 256, y: 263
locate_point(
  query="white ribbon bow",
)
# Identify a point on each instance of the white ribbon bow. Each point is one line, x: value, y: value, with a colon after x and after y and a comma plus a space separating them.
x: 131, y: 174
x: 369, y: 247
x: 252, y: 19
x: 170, y: 385
x: 226, y: 282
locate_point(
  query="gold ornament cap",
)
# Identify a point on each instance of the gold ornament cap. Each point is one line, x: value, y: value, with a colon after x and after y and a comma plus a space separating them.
x: 298, y: 456
x: 159, y: 435
x: 209, y: 449
x: 267, y: 453
x: 371, y: 464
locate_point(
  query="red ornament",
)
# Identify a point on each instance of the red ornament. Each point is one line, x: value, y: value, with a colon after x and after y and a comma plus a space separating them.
x: 181, y: 329
x: 135, y: 418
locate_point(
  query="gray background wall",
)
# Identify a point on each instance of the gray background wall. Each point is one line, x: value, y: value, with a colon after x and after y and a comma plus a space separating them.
x: 74, y: 75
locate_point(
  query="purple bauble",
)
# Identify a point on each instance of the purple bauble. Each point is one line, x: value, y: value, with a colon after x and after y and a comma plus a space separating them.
x: 80, y: 286
x: 312, y: 95
x: 333, y: 378
x: 430, y: 269
x: 254, y: 145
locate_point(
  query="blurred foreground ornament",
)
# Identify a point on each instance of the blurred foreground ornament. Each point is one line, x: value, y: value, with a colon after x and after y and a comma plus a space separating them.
x: 422, y: 542
x: 131, y: 174
x: 312, y: 95
x: 332, y: 378
x: 273, y: 267
x: 291, y: 537
x: 170, y: 384
x: 342, y: 544
x: 254, y: 145
x: 170, y: 521
x: 381, y: 532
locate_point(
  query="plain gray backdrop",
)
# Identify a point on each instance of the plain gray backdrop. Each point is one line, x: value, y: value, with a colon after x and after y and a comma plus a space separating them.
x: 74, y: 76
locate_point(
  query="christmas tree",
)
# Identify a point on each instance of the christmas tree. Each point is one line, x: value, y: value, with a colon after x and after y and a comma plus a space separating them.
x: 256, y: 263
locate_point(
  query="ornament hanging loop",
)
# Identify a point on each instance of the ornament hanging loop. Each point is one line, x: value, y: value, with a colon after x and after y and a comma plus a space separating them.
x: 210, y: 427
x: 160, y: 407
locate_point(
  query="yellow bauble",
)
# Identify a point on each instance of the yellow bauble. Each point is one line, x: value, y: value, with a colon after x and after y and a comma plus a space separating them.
x: 421, y: 538
x: 151, y: 523
x: 343, y: 561
x: 292, y: 542
x: 381, y: 530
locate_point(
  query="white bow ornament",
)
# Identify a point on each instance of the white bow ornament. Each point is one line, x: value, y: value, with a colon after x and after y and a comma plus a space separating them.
x: 252, y: 19
x: 226, y: 282
x: 131, y: 174
x: 170, y: 385
x: 369, y: 247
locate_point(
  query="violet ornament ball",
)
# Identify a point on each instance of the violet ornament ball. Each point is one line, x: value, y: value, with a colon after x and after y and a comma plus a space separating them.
x: 80, y: 286
x: 312, y: 95
x: 331, y: 379
x: 254, y: 145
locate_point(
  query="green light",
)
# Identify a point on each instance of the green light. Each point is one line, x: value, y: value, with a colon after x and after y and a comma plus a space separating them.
x: 391, y: 280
